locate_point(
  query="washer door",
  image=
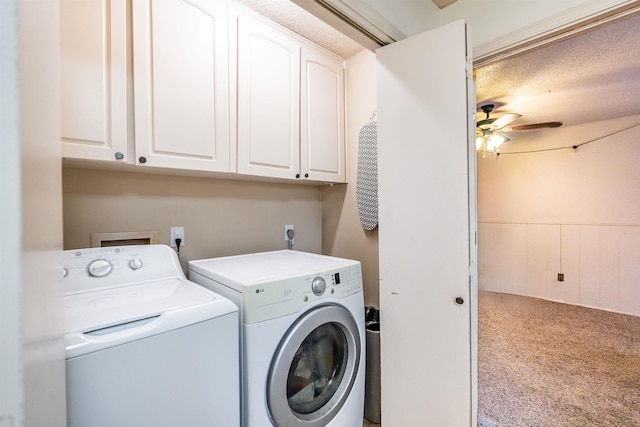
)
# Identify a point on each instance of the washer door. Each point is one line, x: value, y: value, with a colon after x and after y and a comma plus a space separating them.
x: 314, y: 368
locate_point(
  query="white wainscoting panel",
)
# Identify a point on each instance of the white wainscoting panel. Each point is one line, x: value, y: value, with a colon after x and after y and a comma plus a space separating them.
x: 600, y: 263
x: 629, y: 264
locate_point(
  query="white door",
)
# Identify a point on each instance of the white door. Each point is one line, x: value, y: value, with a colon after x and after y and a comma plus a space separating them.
x: 181, y: 84
x: 427, y: 229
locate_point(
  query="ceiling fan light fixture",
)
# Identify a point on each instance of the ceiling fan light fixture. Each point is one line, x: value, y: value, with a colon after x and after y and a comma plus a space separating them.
x: 494, y: 140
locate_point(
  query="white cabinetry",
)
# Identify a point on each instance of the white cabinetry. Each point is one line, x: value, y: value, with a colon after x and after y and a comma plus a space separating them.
x: 274, y: 109
x: 181, y: 84
x: 322, y: 149
x: 268, y: 100
x: 93, y: 49
x: 290, y: 106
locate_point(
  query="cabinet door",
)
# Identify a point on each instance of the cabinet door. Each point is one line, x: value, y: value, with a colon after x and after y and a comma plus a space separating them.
x: 268, y: 101
x: 181, y: 84
x: 93, y: 85
x: 322, y: 151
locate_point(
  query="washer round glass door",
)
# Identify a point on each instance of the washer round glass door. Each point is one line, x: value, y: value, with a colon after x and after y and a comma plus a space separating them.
x: 314, y: 368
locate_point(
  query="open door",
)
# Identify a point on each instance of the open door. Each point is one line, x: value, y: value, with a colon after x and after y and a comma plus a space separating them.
x: 427, y: 214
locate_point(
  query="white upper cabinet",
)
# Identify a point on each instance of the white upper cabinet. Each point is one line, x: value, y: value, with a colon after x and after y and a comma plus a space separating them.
x: 93, y: 48
x: 181, y: 84
x: 268, y: 100
x: 215, y: 89
x: 322, y: 149
x: 290, y: 105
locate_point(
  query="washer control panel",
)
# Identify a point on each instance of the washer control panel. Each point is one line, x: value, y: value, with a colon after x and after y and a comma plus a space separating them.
x: 102, y: 268
x: 318, y: 285
x: 263, y: 301
x: 99, y: 267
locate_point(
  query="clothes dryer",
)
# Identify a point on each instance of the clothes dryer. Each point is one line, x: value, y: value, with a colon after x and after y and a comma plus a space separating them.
x: 302, y: 335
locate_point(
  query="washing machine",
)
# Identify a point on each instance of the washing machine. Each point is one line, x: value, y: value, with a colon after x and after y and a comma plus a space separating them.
x: 302, y: 335
x: 145, y: 346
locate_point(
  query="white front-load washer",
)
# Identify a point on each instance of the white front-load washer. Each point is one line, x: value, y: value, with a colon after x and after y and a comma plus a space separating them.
x: 302, y: 335
x: 145, y: 346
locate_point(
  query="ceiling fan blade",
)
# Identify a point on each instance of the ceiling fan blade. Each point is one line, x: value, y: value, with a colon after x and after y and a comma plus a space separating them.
x: 504, y: 120
x: 485, y: 123
x: 533, y: 126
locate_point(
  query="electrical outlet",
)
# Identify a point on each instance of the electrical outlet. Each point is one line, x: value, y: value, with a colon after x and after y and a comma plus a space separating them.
x: 177, y: 233
x: 560, y: 277
x: 287, y: 228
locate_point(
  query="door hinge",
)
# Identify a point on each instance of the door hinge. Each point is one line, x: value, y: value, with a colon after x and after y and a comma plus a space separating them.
x: 469, y: 67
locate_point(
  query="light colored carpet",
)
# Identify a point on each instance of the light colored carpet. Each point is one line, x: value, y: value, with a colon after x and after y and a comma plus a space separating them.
x: 547, y: 364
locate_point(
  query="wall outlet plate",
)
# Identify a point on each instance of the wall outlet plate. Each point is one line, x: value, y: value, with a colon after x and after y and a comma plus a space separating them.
x: 286, y: 228
x: 176, y: 233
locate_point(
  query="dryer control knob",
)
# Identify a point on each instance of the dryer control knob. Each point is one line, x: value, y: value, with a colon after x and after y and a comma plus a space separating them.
x: 318, y: 285
x: 99, y: 268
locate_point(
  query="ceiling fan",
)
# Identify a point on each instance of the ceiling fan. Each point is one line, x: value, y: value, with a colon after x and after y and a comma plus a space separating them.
x: 489, y: 130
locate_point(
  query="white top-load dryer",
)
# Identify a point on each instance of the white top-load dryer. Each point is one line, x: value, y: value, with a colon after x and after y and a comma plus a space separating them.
x: 303, y: 335
x: 145, y: 346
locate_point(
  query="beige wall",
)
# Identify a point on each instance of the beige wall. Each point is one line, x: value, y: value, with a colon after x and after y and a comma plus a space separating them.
x: 221, y: 217
x: 576, y: 213
x: 227, y: 217
x: 342, y: 233
x: 596, y: 184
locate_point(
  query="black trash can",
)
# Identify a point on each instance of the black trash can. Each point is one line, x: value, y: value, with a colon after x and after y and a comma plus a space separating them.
x: 372, y: 378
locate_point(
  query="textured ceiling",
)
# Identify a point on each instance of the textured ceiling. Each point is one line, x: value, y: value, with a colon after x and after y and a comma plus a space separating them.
x: 591, y: 77
x: 298, y: 20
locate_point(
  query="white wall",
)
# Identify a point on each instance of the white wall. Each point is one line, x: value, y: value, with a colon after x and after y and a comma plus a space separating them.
x: 410, y: 17
x: 342, y: 232
x: 495, y: 24
x: 41, y: 322
x: 576, y: 213
x: 11, y: 389
x: 490, y: 19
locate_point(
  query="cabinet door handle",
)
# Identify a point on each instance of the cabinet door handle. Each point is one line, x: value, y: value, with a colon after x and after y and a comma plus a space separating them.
x: 119, y: 155
x: 306, y: 175
x: 297, y: 175
x: 459, y: 300
x: 142, y: 159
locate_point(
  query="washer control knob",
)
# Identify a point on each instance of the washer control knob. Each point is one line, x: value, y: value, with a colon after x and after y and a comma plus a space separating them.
x: 318, y: 285
x: 135, y: 263
x: 99, y: 268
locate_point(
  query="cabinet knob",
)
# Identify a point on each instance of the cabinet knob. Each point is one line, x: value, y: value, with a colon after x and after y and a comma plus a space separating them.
x: 459, y: 300
x: 142, y: 159
x: 306, y: 175
x: 297, y: 175
x: 119, y: 155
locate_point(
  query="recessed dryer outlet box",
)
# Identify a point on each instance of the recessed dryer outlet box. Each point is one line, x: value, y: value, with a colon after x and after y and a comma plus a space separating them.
x: 177, y: 233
